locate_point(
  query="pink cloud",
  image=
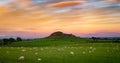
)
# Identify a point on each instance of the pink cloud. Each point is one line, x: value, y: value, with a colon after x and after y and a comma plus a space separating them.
x: 21, y: 3
x: 113, y: 0
x: 103, y: 34
x: 23, y: 34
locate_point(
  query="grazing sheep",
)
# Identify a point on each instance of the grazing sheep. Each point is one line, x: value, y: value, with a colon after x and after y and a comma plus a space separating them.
x: 39, y: 59
x: 21, y: 58
x: 72, y: 53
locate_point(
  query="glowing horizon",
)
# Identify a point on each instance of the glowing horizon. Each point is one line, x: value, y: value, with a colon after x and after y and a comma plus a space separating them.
x: 39, y: 18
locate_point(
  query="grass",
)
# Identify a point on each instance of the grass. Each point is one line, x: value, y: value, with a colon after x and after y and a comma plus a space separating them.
x: 48, y: 42
x: 52, y: 51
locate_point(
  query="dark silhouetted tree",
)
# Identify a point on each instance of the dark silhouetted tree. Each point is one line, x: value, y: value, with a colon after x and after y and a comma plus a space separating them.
x: 18, y: 39
x: 94, y: 39
x: 5, y: 41
x: 12, y: 40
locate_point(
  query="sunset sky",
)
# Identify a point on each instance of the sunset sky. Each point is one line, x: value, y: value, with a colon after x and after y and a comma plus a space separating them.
x: 40, y: 18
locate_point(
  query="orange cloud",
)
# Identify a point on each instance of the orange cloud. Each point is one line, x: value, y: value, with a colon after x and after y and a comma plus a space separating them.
x: 3, y: 10
x: 65, y: 3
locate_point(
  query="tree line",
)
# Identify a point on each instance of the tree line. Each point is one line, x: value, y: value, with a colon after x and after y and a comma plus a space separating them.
x: 97, y: 39
x: 7, y: 41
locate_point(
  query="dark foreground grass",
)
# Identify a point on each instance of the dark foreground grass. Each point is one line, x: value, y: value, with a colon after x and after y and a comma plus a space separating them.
x: 67, y: 53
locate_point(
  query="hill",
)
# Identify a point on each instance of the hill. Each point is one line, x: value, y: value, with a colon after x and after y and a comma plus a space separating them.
x: 58, y: 34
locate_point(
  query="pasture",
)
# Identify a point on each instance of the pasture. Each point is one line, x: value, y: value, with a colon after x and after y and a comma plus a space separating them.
x: 61, y: 52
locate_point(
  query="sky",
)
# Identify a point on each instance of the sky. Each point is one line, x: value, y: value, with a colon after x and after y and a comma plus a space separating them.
x: 40, y: 18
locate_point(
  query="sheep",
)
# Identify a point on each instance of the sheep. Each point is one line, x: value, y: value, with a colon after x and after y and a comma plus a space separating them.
x: 21, y: 58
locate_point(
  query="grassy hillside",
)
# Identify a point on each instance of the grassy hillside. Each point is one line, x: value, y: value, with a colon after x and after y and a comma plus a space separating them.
x: 48, y: 42
x: 55, y: 42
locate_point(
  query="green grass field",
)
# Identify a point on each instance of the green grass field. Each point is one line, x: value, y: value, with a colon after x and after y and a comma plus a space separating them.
x: 60, y: 51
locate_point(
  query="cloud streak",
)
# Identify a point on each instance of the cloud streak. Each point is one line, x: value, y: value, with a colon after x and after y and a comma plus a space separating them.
x: 65, y: 3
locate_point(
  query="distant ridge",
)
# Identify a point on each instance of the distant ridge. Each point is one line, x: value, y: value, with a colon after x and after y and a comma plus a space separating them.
x: 60, y: 34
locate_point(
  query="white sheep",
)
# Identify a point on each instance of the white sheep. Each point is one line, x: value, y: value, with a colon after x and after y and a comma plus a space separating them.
x: 21, y: 58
